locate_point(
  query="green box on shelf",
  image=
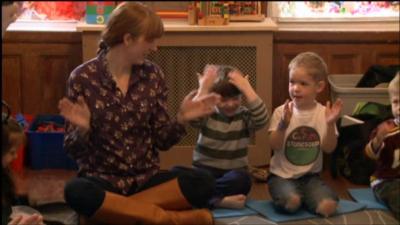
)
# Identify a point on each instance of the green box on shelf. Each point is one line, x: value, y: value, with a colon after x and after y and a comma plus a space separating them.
x: 97, y: 12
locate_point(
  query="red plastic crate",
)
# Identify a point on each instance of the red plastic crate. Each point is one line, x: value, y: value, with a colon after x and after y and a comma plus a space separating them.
x: 18, y: 165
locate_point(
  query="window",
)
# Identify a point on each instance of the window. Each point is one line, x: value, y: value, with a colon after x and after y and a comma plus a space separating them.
x: 337, y: 9
x: 53, y: 11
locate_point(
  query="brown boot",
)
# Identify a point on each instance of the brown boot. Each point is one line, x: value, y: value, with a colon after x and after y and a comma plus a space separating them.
x: 192, y: 217
x: 120, y: 210
x: 83, y: 220
x: 167, y: 195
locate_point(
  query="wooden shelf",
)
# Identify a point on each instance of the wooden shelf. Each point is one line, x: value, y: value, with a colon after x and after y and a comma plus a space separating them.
x: 253, y: 18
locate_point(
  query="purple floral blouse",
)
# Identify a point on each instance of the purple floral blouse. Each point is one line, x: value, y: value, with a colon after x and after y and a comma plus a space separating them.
x: 126, y: 131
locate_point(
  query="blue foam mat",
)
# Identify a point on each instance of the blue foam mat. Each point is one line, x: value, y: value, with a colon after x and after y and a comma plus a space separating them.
x: 367, y: 197
x: 223, y: 213
x: 266, y: 208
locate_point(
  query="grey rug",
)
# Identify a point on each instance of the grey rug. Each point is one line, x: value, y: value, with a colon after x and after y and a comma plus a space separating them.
x: 364, y: 217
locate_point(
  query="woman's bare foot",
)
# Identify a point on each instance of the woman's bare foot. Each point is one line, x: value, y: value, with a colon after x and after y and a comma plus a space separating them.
x: 232, y: 202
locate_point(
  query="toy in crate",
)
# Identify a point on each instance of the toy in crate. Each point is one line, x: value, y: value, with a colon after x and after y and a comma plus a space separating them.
x: 98, y: 12
x: 45, y: 144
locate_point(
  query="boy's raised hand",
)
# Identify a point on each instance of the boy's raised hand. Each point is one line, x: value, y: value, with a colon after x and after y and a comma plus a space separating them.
x: 332, y: 112
x: 243, y: 84
x: 240, y: 81
x: 206, y: 80
x: 382, y: 130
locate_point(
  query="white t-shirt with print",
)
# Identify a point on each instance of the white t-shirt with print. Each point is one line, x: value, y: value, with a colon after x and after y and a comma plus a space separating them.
x: 301, y: 151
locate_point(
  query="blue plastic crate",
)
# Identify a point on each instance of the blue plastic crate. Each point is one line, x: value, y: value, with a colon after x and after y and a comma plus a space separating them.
x: 45, y: 149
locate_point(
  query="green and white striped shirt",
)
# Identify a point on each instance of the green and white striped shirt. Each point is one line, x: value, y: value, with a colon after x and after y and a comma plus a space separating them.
x: 223, y: 141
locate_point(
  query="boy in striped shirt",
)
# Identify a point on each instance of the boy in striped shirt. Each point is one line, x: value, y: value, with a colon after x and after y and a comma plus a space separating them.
x: 224, y: 136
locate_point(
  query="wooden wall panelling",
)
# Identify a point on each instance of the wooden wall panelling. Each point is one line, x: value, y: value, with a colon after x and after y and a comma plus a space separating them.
x: 11, y: 81
x: 386, y: 54
x: 44, y: 64
x: 344, y: 53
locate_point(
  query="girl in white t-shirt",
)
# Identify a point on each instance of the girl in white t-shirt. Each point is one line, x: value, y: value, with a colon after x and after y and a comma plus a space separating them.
x: 299, y: 132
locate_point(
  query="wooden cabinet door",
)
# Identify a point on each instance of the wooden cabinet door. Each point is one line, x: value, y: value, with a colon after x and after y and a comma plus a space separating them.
x: 35, y: 69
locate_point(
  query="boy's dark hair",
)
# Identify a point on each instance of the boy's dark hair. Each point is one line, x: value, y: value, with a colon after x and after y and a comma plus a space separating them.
x: 222, y: 86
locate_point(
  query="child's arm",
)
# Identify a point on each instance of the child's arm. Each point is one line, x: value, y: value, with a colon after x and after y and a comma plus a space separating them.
x: 329, y: 142
x: 375, y: 145
x: 258, y: 114
x: 277, y: 136
x: 332, y: 113
x: 258, y: 110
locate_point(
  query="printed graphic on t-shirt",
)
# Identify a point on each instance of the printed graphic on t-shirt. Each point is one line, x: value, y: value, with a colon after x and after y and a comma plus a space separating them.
x: 302, y: 146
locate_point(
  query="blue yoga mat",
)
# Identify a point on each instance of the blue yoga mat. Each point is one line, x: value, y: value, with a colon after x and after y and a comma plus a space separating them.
x: 367, y: 197
x: 223, y: 213
x: 266, y: 208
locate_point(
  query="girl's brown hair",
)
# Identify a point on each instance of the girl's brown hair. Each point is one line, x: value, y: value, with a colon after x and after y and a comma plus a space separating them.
x: 10, y: 127
x: 313, y: 63
x: 131, y: 18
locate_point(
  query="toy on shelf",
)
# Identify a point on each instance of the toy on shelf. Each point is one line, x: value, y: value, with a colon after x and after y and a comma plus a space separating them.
x: 212, y: 13
x: 222, y: 12
x: 97, y: 12
x: 246, y: 11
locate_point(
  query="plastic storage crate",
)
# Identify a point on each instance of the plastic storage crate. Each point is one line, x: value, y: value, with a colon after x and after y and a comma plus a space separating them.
x: 46, y: 148
x: 18, y: 164
x: 343, y: 87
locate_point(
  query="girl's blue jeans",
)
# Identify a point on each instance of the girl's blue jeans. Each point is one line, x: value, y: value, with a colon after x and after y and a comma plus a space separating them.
x: 310, y: 188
